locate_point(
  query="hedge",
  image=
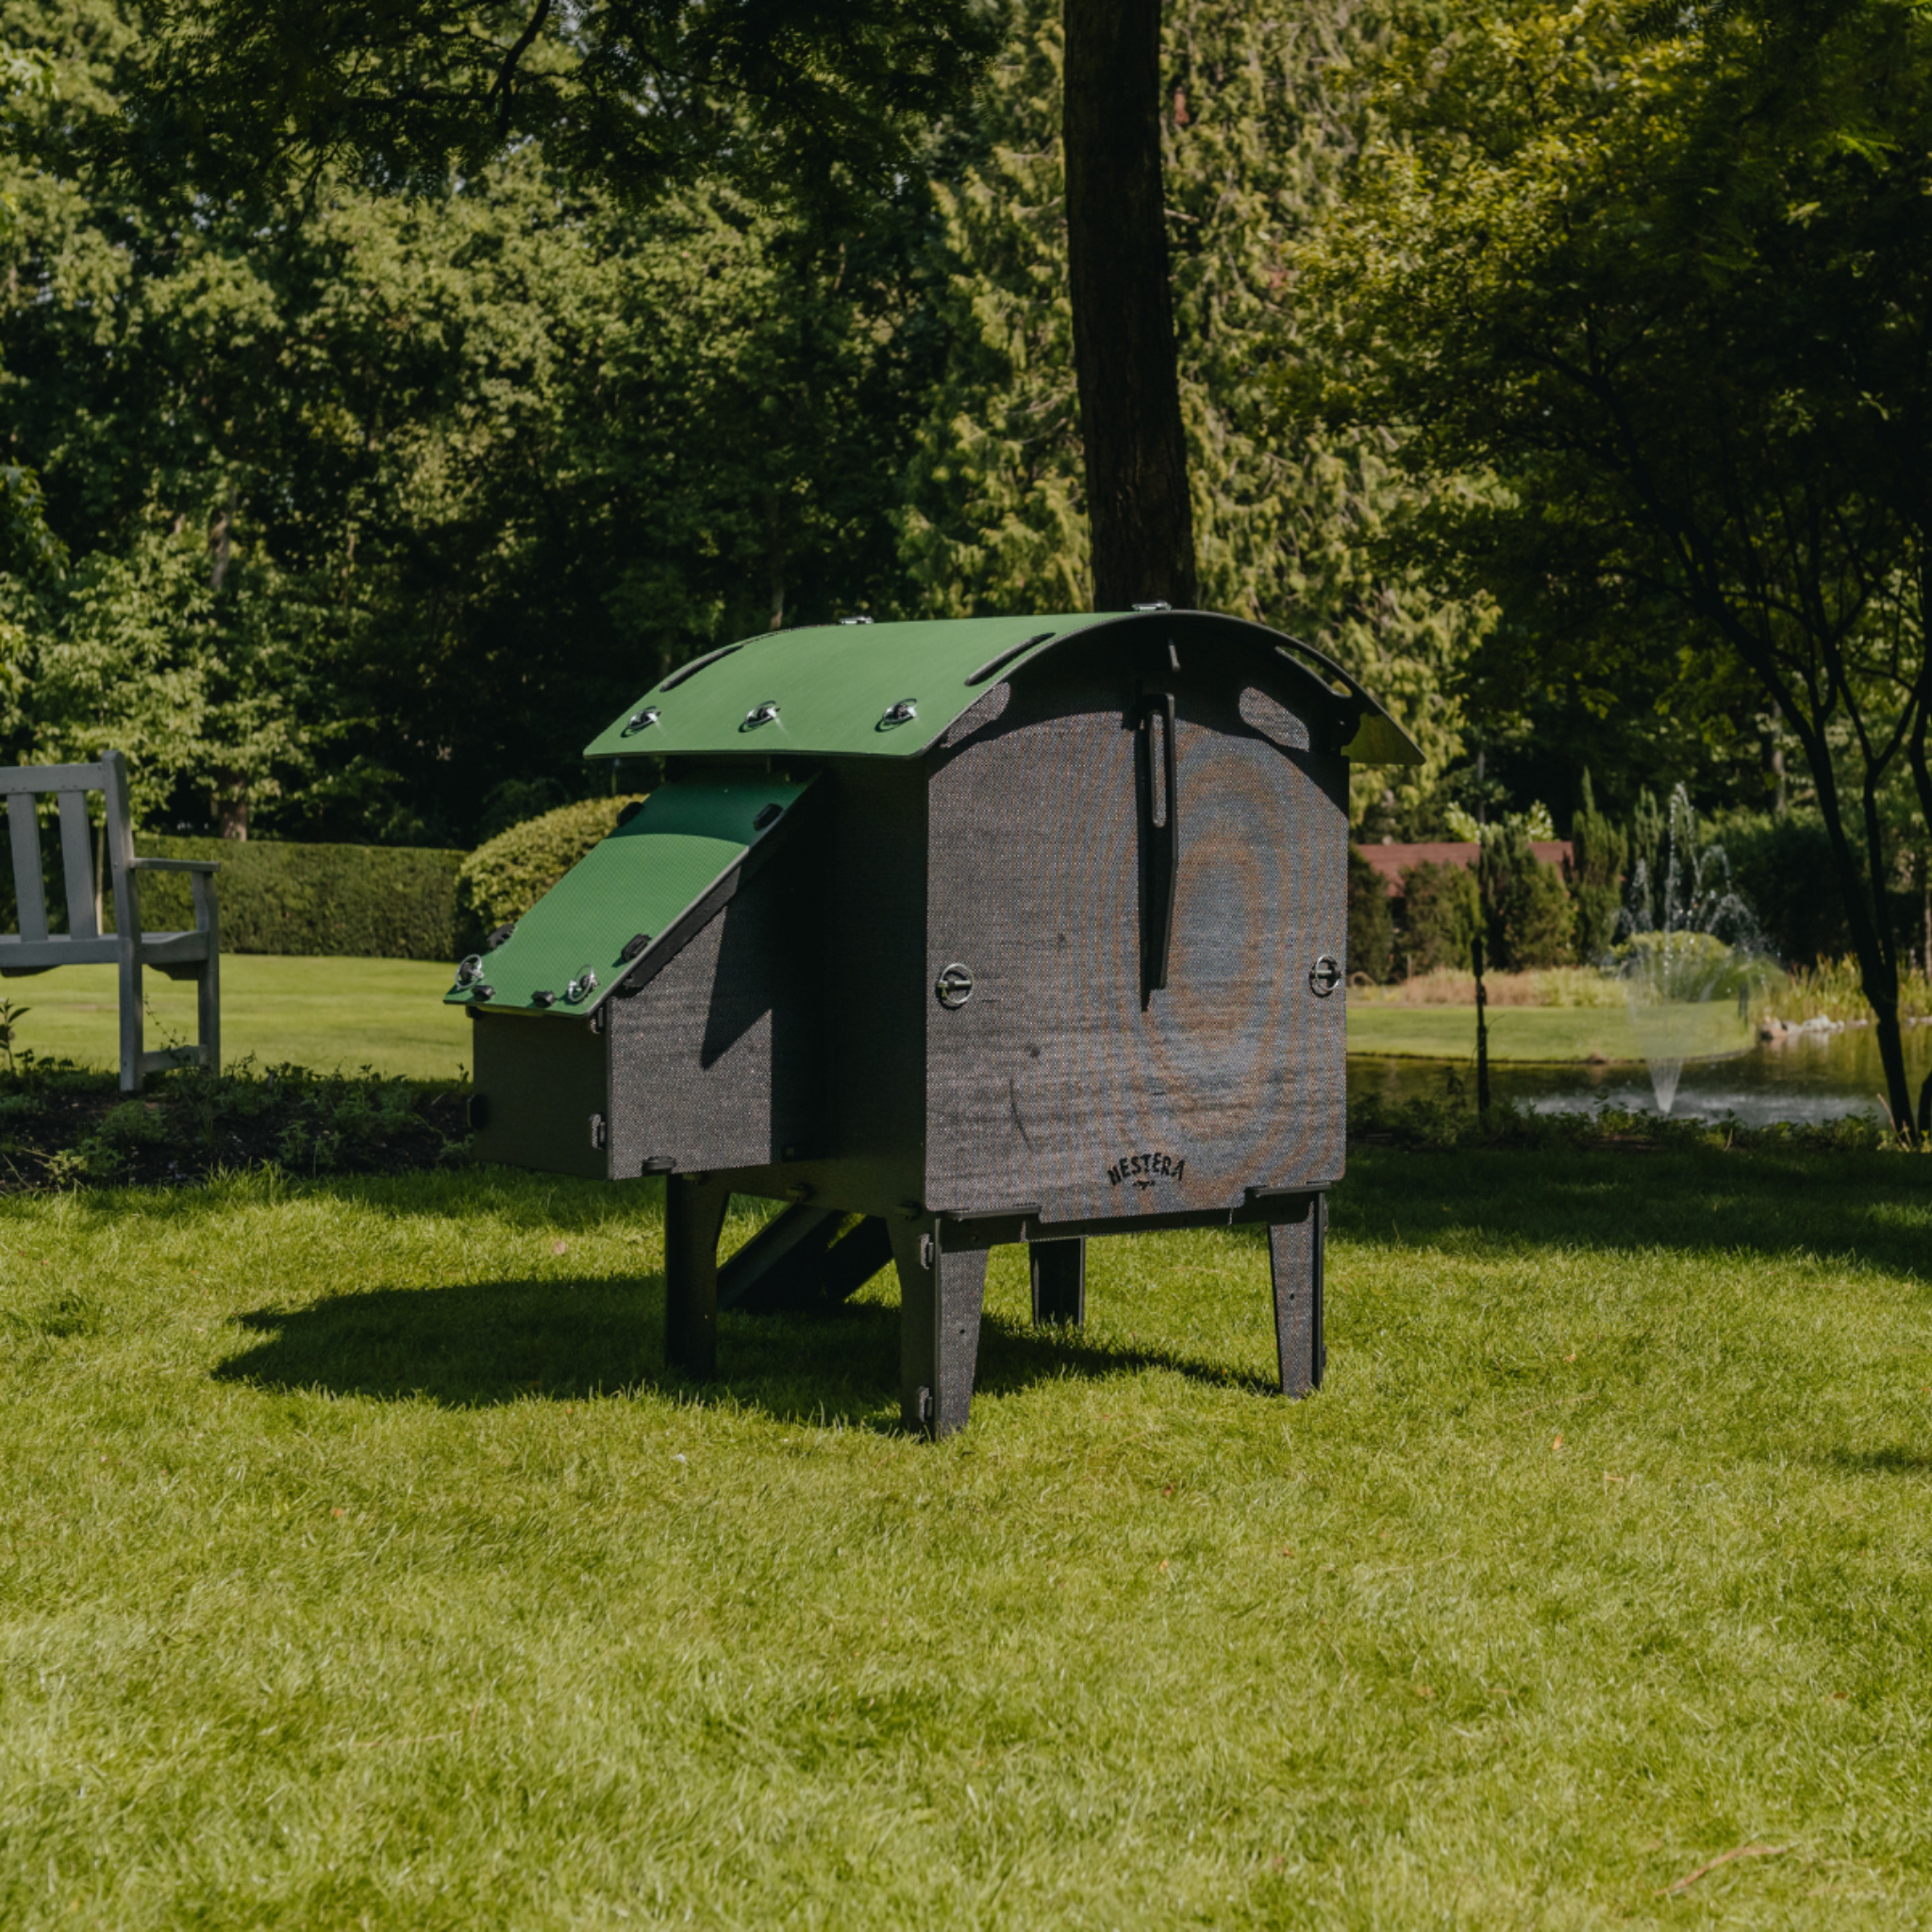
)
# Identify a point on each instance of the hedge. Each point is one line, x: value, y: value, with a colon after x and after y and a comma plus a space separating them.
x: 1371, y: 923
x: 370, y: 902
x: 505, y: 875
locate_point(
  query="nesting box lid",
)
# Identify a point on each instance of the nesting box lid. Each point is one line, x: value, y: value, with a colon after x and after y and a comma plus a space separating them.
x: 631, y: 902
x: 890, y: 690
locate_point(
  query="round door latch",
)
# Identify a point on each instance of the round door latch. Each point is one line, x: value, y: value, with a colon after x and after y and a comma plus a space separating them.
x: 954, y: 985
x: 1326, y: 978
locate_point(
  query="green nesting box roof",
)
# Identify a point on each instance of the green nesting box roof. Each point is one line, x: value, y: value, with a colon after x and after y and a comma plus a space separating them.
x: 658, y: 873
x: 890, y: 690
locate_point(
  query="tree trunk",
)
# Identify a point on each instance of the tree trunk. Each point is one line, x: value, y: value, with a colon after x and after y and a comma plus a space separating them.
x: 1142, y: 524
x: 231, y: 804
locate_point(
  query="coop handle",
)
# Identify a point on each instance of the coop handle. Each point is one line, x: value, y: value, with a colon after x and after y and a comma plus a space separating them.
x: 1161, y: 836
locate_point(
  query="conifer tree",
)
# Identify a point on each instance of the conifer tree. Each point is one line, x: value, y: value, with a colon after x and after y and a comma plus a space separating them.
x: 1600, y: 850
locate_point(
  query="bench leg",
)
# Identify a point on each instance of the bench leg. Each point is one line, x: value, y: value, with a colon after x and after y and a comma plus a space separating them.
x: 1294, y: 1257
x: 133, y: 1036
x: 939, y: 1300
x: 208, y: 993
x: 1060, y: 1280
x: 693, y: 1219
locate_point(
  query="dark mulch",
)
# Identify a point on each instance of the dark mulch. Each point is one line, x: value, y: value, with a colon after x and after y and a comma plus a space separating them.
x: 67, y: 1126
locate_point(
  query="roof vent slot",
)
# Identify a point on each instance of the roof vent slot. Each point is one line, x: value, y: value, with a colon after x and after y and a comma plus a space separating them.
x: 1008, y: 656
x: 698, y: 664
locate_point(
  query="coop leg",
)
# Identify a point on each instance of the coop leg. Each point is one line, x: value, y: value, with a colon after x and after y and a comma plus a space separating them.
x: 940, y: 1299
x: 1294, y: 1257
x: 1060, y: 1280
x: 693, y: 1219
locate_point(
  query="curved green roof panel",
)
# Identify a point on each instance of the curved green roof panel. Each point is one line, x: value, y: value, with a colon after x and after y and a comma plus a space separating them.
x: 890, y: 690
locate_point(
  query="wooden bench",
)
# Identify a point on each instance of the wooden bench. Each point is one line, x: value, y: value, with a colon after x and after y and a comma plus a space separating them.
x: 195, y: 955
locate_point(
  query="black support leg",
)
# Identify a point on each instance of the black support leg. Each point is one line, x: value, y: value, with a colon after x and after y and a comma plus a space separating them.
x: 1295, y: 1255
x: 1060, y: 1280
x: 693, y: 1219
x: 939, y: 1300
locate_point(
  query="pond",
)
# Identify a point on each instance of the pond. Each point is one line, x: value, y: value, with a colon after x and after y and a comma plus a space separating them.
x: 1811, y: 1076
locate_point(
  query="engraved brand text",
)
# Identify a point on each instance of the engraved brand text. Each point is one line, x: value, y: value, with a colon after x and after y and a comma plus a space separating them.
x: 1144, y: 1170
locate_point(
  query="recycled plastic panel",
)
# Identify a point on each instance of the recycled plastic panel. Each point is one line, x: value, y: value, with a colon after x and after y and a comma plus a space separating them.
x: 716, y: 1062
x: 680, y: 844
x: 537, y: 1084
x: 1053, y: 1086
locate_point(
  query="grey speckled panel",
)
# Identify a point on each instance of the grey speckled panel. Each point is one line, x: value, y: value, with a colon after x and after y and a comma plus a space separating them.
x: 714, y: 1063
x: 1052, y: 1085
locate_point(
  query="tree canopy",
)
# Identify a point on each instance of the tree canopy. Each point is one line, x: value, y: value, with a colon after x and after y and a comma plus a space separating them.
x: 1664, y: 280
x: 817, y: 98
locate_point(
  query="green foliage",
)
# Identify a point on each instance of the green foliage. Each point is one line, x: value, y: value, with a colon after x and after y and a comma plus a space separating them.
x: 1371, y: 924
x: 1441, y: 912
x: 376, y: 505
x: 1293, y: 522
x: 1779, y: 865
x: 1661, y: 279
x: 795, y: 99
x: 1600, y: 853
x: 384, y: 902
x: 503, y: 879
x: 1529, y: 917
x: 62, y: 1128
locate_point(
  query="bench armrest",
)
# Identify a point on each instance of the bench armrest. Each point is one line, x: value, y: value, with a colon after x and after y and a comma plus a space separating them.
x: 209, y: 866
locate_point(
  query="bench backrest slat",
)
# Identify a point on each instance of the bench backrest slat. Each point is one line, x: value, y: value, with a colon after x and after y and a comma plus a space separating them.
x: 78, y: 861
x: 14, y: 779
x: 29, y: 894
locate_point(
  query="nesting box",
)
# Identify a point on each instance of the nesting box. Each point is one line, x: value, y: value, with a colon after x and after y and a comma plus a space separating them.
x: 1009, y: 929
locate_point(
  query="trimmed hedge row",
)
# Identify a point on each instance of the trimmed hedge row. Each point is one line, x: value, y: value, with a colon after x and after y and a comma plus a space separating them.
x: 369, y: 901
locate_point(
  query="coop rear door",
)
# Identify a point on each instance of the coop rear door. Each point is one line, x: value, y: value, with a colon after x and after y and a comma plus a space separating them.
x: 1056, y: 1084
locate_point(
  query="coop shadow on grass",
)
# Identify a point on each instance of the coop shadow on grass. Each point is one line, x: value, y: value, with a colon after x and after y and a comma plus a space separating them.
x: 486, y: 1344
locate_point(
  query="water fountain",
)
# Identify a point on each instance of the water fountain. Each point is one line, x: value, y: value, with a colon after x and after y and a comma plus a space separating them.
x: 1684, y: 941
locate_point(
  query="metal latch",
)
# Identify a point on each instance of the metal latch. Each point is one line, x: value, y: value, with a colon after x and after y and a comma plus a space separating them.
x: 1325, y: 978
x: 954, y: 985
x: 1160, y: 837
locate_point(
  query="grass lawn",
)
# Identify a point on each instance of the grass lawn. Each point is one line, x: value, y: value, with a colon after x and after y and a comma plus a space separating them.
x: 327, y: 1014
x: 1534, y: 1033
x: 324, y: 1013
x: 359, y: 1566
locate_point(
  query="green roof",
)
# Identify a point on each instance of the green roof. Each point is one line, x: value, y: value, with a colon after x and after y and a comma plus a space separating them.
x: 844, y: 689
x: 659, y: 867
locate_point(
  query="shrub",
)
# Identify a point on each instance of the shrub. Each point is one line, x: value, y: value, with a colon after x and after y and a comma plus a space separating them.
x: 368, y: 902
x: 1530, y: 923
x: 1439, y: 913
x: 1601, y: 850
x: 1783, y: 869
x: 1371, y: 924
x: 502, y: 879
